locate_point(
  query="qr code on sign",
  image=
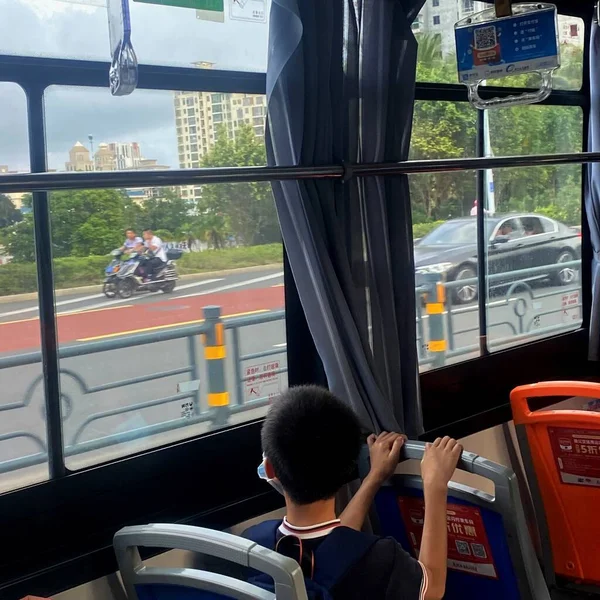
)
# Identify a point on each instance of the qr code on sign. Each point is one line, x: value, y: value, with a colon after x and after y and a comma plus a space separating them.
x: 463, y: 547
x: 485, y: 38
x: 479, y: 550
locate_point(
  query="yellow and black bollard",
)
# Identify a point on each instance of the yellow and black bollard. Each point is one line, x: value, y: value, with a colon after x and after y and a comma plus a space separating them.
x: 435, y: 307
x: 215, y: 354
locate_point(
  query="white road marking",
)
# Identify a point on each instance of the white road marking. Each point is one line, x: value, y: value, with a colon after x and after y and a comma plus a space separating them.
x: 233, y: 285
x: 103, y: 304
x: 142, y: 296
x: 61, y: 303
x: 196, y: 283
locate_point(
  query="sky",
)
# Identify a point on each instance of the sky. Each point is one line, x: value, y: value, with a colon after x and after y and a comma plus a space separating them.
x: 161, y: 35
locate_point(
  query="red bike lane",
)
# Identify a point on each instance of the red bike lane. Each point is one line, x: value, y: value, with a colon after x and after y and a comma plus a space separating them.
x: 128, y: 319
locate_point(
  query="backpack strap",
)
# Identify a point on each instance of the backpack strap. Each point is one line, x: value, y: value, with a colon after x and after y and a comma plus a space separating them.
x: 338, y: 552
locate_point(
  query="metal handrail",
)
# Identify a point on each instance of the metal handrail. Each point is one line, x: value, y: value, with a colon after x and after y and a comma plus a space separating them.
x: 32, y: 182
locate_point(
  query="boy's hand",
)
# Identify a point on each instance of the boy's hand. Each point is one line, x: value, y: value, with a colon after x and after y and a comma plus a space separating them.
x: 384, y: 450
x: 439, y: 463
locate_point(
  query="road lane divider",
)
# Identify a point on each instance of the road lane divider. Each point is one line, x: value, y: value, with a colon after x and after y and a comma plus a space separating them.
x: 435, y: 301
x: 215, y: 354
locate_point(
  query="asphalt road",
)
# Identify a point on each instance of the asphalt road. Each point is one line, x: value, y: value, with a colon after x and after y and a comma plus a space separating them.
x: 91, y: 317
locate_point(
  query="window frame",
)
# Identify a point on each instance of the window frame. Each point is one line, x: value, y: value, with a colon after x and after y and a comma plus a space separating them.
x: 158, y: 485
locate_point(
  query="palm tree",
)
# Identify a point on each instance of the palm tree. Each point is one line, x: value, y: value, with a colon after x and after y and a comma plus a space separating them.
x: 430, y: 49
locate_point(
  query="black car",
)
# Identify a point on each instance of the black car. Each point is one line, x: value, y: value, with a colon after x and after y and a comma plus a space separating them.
x: 516, y: 242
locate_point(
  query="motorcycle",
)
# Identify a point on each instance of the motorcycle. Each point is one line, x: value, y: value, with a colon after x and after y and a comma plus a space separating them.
x: 121, y: 278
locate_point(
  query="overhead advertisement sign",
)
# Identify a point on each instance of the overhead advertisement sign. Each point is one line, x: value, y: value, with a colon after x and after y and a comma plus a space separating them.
x: 253, y: 11
x: 208, y: 10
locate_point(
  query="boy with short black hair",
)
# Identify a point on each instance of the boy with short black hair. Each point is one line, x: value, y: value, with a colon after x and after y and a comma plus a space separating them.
x: 311, y: 442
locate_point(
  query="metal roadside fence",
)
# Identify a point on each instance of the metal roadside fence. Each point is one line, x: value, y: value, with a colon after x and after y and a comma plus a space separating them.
x: 438, y: 331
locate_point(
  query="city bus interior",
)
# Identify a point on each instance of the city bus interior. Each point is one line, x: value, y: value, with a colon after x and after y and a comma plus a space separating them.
x: 320, y: 204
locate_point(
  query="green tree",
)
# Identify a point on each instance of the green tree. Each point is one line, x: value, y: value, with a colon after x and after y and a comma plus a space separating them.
x: 246, y: 209
x: 169, y: 211
x: 70, y: 210
x: 448, y: 130
x: 9, y: 215
x: 82, y: 223
x: 95, y: 237
x: 18, y: 240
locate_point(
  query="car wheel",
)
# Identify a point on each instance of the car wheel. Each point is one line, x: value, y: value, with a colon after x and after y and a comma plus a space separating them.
x: 565, y: 275
x: 466, y: 293
x: 126, y: 288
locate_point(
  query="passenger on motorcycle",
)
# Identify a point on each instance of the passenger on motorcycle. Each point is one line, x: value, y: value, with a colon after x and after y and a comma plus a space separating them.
x: 158, y: 257
x: 131, y: 241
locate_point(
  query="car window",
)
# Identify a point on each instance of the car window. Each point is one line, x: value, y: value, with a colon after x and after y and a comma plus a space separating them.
x: 452, y: 232
x: 510, y: 228
x: 532, y: 226
x: 548, y: 225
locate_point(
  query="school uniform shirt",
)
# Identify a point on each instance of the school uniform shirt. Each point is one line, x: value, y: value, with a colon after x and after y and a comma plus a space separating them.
x: 385, y: 572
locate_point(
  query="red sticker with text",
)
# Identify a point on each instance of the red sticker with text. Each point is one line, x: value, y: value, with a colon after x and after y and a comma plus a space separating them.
x: 468, y: 546
x: 577, y: 455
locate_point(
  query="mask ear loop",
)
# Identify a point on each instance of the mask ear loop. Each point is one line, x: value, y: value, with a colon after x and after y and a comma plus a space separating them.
x: 300, y: 545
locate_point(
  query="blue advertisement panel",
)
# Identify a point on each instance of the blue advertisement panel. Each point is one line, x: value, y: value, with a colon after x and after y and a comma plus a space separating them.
x: 523, y: 43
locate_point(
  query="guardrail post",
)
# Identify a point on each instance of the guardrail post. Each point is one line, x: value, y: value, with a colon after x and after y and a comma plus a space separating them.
x: 195, y: 372
x: 435, y: 304
x: 237, y: 365
x: 215, y: 354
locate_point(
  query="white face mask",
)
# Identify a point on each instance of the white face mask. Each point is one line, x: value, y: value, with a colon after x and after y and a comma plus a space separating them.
x: 262, y: 473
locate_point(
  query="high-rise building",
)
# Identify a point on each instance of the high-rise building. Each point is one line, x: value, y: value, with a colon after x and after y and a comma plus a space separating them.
x: 112, y: 157
x: 79, y: 159
x: 104, y: 159
x: 127, y: 156
x: 200, y: 115
x: 570, y: 30
x: 439, y: 16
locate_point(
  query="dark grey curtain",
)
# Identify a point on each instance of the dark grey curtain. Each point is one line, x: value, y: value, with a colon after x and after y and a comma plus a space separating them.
x: 592, y: 198
x: 340, y: 85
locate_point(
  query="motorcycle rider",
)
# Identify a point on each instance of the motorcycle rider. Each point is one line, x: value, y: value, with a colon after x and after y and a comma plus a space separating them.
x: 158, y: 258
x: 131, y: 242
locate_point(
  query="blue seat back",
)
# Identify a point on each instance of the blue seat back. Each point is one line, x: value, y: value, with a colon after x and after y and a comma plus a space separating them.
x: 490, y: 553
x: 479, y: 565
x: 151, y: 583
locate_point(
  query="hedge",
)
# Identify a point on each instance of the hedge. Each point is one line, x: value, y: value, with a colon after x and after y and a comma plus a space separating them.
x: 21, y: 278
x: 422, y: 229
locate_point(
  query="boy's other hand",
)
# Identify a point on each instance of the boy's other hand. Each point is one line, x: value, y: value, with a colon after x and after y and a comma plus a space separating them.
x: 384, y: 450
x: 439, y: 463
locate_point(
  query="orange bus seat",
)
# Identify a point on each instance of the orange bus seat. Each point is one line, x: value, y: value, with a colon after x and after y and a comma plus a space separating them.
x: 561, y: 454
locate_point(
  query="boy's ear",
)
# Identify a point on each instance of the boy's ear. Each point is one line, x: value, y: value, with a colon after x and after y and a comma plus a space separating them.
x: 269, y: 469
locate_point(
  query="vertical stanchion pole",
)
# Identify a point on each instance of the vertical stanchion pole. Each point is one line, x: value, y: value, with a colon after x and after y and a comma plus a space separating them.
x: 436, y: 300
x: 45, y: 281
x: 215, y: 355
x: 237, y: 365
x: 195, y: 372
x: 449, y: 323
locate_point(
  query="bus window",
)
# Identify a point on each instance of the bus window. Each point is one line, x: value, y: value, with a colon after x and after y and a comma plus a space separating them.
x: 169, y: 370
x: 76, y: 29
x: 534, y: 287
x: 444, y: 230
x: 434, y: 30
x: 23, y: 451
